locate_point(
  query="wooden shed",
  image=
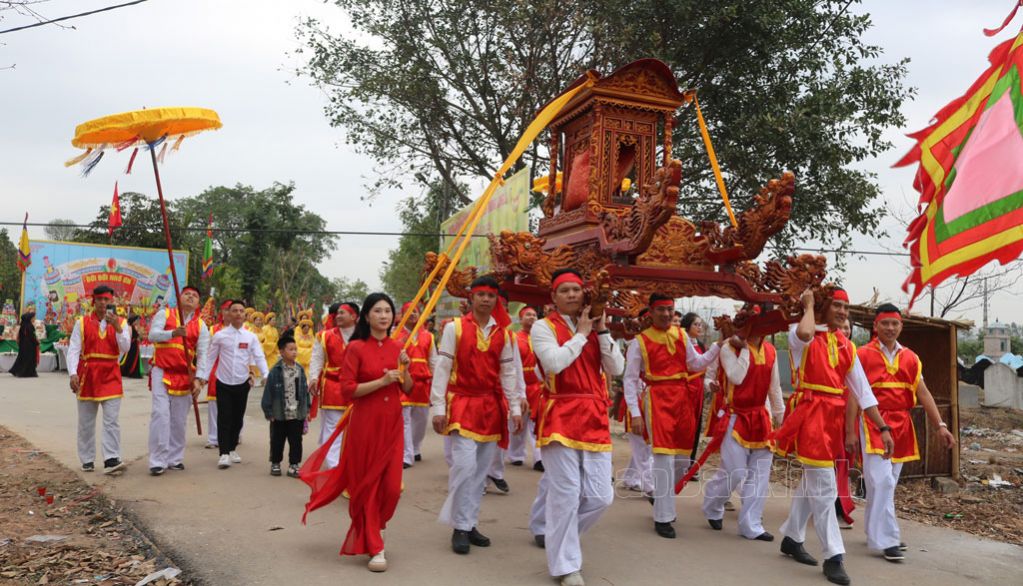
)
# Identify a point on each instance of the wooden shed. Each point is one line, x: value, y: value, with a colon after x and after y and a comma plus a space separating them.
x: 934, y: 340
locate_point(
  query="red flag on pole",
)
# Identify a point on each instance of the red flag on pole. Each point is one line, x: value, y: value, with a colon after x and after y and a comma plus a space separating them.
x: 115, y: 213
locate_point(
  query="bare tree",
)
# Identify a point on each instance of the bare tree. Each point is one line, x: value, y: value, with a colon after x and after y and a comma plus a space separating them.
x: 60, y: 229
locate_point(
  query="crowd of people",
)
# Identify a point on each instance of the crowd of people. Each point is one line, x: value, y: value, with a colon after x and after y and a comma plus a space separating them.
x: 495, y: 393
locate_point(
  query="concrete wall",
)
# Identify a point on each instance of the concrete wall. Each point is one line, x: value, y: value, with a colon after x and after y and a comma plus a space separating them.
x: 1002, y: 387
x: 969, y: 395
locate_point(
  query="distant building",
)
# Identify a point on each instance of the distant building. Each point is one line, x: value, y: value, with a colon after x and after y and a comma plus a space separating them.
x: 996, y: 341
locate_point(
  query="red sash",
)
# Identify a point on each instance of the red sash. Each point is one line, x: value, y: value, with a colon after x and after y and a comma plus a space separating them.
x: 476, y: 405
x: 99, y: 371
x: 176, y: 356
x: 668, y: 414
x: 894, y: 384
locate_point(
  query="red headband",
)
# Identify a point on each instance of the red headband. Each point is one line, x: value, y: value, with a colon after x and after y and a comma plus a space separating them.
x: 484, y: 288
x: 887, y: 315
x: 566, y: 278
x: 404, y: 308
x: 102, y: 296
x: 840, y: 295
x: 664, y: 303
x: 524, y: 308
x: 225, y: 305
x: 190, y: 288
x: 351, y: 308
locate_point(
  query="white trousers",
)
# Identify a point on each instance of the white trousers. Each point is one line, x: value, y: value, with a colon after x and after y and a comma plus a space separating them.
x: 745, y: 470
x: 518, y: 442
x: 815, y: 497
x: 167, y: 422
x: 538, y: 511
x: 415, y: 430
x: 470, y: 462
x: 447, y: 450
x: 879, y: 520
x: 638, y: 475
x: 667, y: 469
x: 211, y: 421
x: 87, y: 429
x: 331, y: 417
x: 579, y: 489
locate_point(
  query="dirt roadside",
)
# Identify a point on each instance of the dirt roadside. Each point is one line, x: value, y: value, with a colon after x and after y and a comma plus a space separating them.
x: 72, y: 533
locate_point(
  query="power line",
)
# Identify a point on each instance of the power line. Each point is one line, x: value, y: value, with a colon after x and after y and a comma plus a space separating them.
x: 375, y: 233
x: 70, y: 16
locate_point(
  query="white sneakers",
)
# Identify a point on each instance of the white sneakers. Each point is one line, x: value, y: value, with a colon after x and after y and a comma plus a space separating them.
x: 224, y: 462
x: 236, y: 458
x: 378, y: 563
x: 573, y: 579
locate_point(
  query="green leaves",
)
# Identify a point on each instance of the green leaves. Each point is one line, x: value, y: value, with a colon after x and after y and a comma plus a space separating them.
x: 446, y: 87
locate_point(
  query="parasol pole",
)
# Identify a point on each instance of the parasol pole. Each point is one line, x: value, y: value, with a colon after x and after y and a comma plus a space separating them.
x: 174, y: 272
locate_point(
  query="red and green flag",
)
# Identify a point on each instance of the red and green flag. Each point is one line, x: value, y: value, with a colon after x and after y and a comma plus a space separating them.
x: 970, y: 177
x: 207, y: 251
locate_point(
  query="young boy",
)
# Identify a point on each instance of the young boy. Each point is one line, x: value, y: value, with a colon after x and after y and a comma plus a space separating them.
x: 286, y: 405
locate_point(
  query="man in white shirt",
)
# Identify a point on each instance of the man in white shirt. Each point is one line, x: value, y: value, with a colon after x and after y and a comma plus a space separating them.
x: 179, y: 350
x: 752, y: 385
x: 812, y: 432
x: 236, y: 348
x: 577, y: 355
x: 93, y: 356
x: 475, y: 361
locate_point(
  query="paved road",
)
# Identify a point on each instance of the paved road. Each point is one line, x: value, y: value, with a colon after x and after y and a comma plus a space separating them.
x: 217, y: 523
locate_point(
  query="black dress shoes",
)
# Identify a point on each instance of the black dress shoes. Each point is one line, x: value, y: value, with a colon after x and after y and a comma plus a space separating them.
x: 835, y: 572
x: 664, y: 530
x: 478, y: 539
x: 795, y: 550
x: 715, y: 524
x: 460, y: 541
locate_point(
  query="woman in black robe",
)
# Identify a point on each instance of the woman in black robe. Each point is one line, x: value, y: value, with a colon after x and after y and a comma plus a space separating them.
x: 130, y: 361
x: 28, y: 348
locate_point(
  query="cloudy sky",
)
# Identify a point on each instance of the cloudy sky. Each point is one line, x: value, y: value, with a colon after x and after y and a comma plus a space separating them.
x: 234, y: 56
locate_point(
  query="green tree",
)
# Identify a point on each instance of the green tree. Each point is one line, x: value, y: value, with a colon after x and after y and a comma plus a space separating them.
x: 141, y: 225
x: 10, y: 276
x: 345, y: 289
x: 448, y: 86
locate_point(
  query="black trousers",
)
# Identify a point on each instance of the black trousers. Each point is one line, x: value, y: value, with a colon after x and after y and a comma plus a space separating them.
x: 290, y: 430
x: 231, y: 401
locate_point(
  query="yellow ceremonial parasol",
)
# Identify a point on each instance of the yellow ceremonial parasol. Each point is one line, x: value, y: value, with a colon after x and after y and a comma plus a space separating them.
x: 148, y: 129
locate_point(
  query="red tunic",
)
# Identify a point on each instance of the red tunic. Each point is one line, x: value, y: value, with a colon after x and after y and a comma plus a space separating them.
x: 211, y: 385
x: 748, y: 400
x: 894, y: 384
x: 531, y: 373
x: 419, y: 369
x: 476, y: 405
x: 176, y: 357
x: 99, y: 372
x: 814, y: 431
x: 575, y: 412
x: 330, y: 377
x: 371, y: 451
x: 668, y: 415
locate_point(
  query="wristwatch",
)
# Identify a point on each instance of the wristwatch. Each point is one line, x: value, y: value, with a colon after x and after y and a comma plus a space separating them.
x: 885, y: 428
x: 602, y: 332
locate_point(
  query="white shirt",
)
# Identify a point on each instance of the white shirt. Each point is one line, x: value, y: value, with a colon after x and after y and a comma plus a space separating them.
x: 554, y: 357
x: 442, y: 371
x: 319, y: 357
x: 736, y: 368
x: 633, y: 383
x: 158, y: 334
x: 74, y: 349
x: 855, y: 379
x: 234, y: 359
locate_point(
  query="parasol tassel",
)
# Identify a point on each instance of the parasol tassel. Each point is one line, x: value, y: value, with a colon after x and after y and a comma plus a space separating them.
x: 91, y: 163
x: 177, y: 143
x: 124, y: 145
x: 163, y: 153
x: 78, y: 159
x: 131, y: 161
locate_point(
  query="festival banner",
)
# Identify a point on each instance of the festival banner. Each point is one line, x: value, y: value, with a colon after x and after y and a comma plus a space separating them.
x: 58, y: 286
x: 506, y: 210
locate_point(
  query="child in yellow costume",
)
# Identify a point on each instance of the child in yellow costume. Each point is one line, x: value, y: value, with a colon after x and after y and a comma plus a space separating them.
x: 270, y: 337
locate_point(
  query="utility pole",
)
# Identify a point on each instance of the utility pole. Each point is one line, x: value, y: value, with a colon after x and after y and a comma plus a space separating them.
x: 984, y: 281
